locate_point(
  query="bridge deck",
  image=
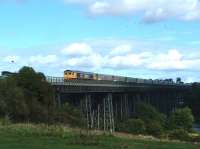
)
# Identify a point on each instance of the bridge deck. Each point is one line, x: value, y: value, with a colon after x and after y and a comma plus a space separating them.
x: 102, y: 85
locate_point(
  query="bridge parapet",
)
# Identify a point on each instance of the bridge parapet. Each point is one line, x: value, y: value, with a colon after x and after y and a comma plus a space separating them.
x: 59, y: 81
x: 55, y: 80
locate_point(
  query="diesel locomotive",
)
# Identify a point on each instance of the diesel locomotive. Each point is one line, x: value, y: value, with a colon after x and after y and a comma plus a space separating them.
x: 81, y: 75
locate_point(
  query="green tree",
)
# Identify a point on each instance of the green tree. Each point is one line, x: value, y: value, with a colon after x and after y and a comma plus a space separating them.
x: 154, y: 120
x: 12, y: 101
x: 181, y: 119
x: 38, y: 93
x: 26, y: 96
x: 148, y: 113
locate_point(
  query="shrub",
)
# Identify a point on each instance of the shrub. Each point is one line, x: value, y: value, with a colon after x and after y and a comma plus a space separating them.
x: 5, y: 121
x: 149, y: 114
x: 135, y: 126
x: 154, y: 120
x: 179, y: 134
x: 70, y: 115
x: 154, y: 128
x: 181, y: 119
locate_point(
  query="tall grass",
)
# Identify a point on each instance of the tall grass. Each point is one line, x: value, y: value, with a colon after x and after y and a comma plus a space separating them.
x: 72, y: 136
x: 37, y: 130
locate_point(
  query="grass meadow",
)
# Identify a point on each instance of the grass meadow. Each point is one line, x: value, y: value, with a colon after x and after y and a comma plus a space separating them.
x: 28, y: 136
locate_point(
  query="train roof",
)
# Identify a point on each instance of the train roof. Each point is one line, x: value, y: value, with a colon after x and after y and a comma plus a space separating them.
x: 77, y: 71
x: 159, y: 80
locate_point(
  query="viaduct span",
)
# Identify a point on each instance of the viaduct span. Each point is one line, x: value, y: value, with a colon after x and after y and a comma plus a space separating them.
x: 104, y: 103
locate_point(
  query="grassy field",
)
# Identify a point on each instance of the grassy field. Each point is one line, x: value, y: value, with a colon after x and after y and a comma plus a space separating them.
x: 16, y: 138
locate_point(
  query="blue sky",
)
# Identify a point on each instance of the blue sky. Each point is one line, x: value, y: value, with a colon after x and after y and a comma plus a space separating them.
x: 146, y: 39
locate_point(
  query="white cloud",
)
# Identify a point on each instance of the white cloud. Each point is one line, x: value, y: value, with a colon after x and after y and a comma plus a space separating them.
x: 39, y: 59
x: 93, y: 60
x: 128, y: 61
x: 11, y: 59
x: 99, y: 7
x: 77, y: 49
x: 123, y: 56
x: 78, y: 1
x: 151, y: 10
x: 121, y: 50
x: 174, y: 60
x: 118, y: 56
x: 171, y: 60
x: 125, y: 61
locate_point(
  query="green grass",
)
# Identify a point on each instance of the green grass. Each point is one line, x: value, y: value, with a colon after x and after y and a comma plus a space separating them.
x: 42, y: 137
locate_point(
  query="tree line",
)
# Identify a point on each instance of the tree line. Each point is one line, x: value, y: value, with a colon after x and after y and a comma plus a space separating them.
x: 177, y: 125
x: 26, y: 96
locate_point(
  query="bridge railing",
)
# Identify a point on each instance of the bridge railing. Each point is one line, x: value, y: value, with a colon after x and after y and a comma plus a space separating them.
x: 61, y: 81
x: 55, y: 79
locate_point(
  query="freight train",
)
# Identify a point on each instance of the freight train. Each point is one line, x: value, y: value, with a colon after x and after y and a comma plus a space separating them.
x: 81, y: 75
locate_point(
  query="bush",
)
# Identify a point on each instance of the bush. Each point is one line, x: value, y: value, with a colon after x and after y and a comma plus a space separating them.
x: 5, y: 121
x: 68, y: 114
x: 181, y: 119
x: 149, y: 114
x: 154, y: 128
x: 154, y: 120
x: 179, y: 134
x: 135, y: 126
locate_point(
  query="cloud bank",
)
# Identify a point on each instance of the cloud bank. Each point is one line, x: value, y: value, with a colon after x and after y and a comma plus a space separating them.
x: 121, y: 57
x: 150, y: 10
x: 124, y: 57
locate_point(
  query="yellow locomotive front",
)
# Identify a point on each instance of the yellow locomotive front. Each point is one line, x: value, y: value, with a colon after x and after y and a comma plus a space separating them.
x: 79, y: 75
x: 70, y: 75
